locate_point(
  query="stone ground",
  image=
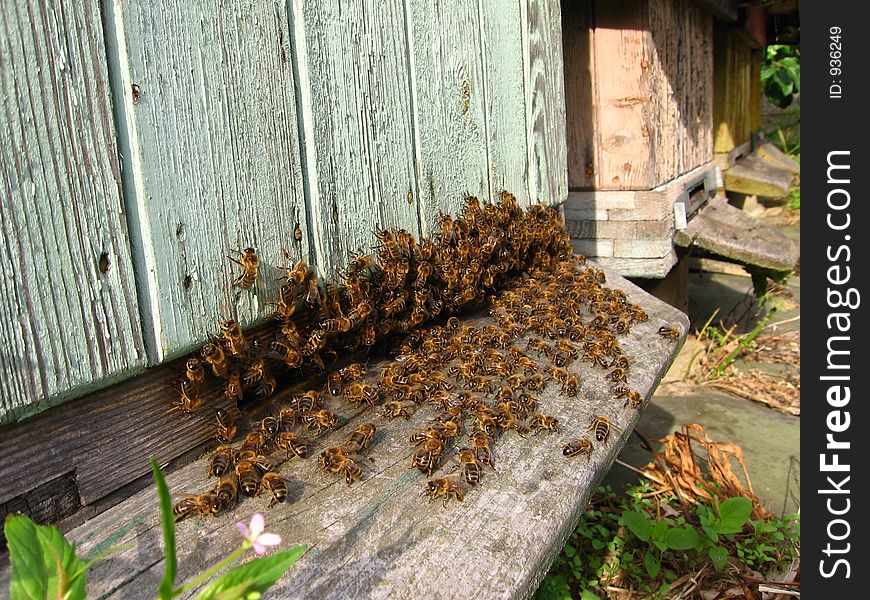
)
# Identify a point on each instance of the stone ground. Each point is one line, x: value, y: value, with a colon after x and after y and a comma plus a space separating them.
x: 770, y: 439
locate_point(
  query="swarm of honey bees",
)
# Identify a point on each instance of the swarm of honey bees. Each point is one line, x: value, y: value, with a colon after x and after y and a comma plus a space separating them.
x: 547, y: 309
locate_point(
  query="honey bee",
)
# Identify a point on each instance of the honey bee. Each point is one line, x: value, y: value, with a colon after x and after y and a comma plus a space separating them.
x: 203, y: 504
x: 233, y: 389
x: 357, y: 392
x: 334, y: 384
x: 227, y: 489
x: 249, y: 477
x: 321, y: 420
x: 481, y: 444
x: 601, y: 425
x: 617, y: 374
x: 288, y: 418
x: 571, y: 385
x: 511, y: 421
x: 428, y: 455
x: 216, y: 359
x: 234, y: 338
x: 342, y: 459
x: 276, y: 485
x: 288, y: 355
x: 226, y: 429
x: 292, y: 443
x: 353, y: 371
x: 472, y: 471
x: 254, y: 442
x: 632, y: 397
x: 266, y: 388
x: 222, y: 460
x: 360, y: 262
x: 306, y: 402
x: 669, y: 332
x: 189, y: 400
x: 255, y: 371
x: 446, y: 488
x: 579, y: 446
x: 270, y: 426
x: 250, y: 263
x: 540, y: 422
x: 362, y: 435
x: 339, y: 324
x: 195, y: 372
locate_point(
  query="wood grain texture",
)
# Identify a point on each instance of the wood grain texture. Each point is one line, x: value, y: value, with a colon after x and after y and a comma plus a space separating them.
x: 69, y: 318
x: 758, y: 244
x: 545, y: 101
x: 646, y: 65
x: 105, y: 438
x: 378, y: 538
x: 623, y: 95
x: 504, y: 84
x: 733, y: 90
x: 450, y: 100
x: 580, y: 108
x: 356, y: 97
x: 213, y: 162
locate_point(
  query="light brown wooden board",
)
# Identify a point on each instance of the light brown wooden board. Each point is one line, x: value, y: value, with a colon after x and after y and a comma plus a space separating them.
x: 379, y: 538
x: 638, y: 80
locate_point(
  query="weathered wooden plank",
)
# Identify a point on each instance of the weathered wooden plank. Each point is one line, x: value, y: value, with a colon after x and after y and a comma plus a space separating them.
x: 503, y: 77
x: 647, y: 268
x: 726, y: 231
x: 450, y: 99
x: 580, y: 107
x: 621, y: 56
x: 356, y: 86
x: 102, y: 437
x: 207, y: 105
x: 378, y: 538
x: 69, y: 317
x: 776, y: 157
x: 758, y: 177
x: 545, y: 101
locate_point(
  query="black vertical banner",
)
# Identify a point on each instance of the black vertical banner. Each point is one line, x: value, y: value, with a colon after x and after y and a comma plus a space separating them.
x: 835, y: 432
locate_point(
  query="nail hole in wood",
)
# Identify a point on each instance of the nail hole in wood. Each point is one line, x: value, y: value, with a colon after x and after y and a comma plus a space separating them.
x: 103, y: 263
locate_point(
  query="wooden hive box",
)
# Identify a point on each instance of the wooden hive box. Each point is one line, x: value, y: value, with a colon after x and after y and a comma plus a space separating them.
x: 639, y: 110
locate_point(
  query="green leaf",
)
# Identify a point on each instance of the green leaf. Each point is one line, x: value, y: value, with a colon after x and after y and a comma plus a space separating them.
x: 167, y: 521
x: 44, y: 565
x: 719, y: 556
x: 569, y: 550
x: 733, y: 514
x: 652, y: 563
x: 587, y: 595
x: 682, y: 538
x: 638, y: 523
x: 250, y: 580
x: 708, y: 529
x: 660, y: 531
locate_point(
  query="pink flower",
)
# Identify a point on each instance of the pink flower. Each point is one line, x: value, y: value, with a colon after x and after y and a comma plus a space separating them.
x: 255, y: 535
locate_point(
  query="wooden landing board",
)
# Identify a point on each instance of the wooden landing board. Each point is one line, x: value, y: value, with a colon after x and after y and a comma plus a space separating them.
x: 69, y: 316
x: 773, y: 155
x: 756, y: 176
x: 726, y: 231
x: 379, y: 538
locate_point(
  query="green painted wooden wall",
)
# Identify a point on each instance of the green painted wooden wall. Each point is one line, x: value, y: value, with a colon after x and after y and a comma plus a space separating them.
x: 154, y: 137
